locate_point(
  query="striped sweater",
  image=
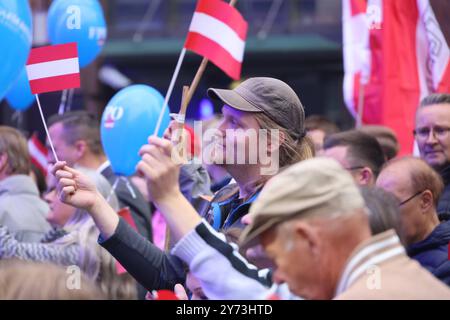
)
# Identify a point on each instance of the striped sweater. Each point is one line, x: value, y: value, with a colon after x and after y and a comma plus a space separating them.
x: 45, y: 251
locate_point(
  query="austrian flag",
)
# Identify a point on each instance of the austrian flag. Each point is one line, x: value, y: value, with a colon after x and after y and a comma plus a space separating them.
x: 218, y: 32
x: 53, y: 68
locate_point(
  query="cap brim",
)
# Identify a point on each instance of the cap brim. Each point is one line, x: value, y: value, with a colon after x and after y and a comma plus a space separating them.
x: 250, y: 235
x: 232, y: 99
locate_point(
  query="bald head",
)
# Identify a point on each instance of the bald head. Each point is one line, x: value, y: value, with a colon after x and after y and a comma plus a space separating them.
x: 417, y: 187
x: 410, y: 175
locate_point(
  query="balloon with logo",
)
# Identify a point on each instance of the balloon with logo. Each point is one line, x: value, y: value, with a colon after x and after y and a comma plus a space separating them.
x: 80, y: 21
x: 19, y: 95
x: 15, y: 41
x: 127, y: 122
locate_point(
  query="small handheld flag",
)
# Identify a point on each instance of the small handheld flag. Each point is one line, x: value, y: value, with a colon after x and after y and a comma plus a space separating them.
x: 218, y: 32
x: 53, y: 68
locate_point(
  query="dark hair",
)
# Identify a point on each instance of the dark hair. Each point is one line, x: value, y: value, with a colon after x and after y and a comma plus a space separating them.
x: 386, y: 137
x: 318, y: 122
x: 80, y: 125
x: 435, y: 98
x: 423, y: 177
x: 383, y: 209
x: 363, y: 149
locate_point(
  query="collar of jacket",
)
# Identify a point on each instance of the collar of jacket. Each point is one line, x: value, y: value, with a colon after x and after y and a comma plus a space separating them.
x: 438, y: 237
x: 445, y: 174
x: 18, y: 184
x: 376, y: 250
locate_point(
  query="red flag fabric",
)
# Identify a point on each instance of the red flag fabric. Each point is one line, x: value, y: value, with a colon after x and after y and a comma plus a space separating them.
x: 53, y: 68
x: 394, y: 63
x: 38, y: 153
x: 218, y: 32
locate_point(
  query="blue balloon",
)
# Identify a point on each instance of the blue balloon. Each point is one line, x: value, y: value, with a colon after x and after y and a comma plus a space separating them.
x: 15, y: 43
x: 127, y: 122
x: 80, y: 21
x: 19, y: 96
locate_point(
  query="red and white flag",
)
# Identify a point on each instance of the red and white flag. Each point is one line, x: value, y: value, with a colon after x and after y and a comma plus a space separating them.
x: 399, y: 59
x: 218, y: 32
x: 53, y: 68
x: 38, y: 153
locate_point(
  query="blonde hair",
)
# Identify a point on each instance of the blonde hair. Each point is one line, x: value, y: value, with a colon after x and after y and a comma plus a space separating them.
x: 28, y: 280
x: 14, y: 145
x: 94, y: 260
x: 291, y: 149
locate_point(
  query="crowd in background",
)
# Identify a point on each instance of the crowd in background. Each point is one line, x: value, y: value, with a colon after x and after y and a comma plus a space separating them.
x: 343, y: 218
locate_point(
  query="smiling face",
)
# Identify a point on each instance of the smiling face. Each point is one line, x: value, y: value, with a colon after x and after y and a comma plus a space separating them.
x: 434, y: 148
x: 231, y: 139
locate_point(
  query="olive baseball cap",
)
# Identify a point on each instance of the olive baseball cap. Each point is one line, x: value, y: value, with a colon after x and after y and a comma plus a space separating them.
x: 270, y: 96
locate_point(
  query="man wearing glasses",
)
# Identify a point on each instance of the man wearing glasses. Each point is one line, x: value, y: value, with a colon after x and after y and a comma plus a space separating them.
x: 417, y: 187
x: 358, y: 153
x: 433, y: 139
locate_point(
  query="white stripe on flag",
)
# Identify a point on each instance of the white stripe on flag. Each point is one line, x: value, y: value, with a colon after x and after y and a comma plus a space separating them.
x: 219, y: 32
x: 37, y: 154
x: 53, y: 68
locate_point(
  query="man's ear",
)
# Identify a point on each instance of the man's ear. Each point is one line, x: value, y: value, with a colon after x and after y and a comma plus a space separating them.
x: 308, y: 234
x: 81, y: 148
x: 274, y: 140
x: 366, y: 176
x: 426, y: 200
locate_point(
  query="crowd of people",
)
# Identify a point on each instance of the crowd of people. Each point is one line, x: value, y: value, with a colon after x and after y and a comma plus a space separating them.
x: 341, y: 217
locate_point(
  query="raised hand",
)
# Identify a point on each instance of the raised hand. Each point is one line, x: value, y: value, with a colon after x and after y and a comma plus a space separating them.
x: 161, y: 168
x: 74, y: 188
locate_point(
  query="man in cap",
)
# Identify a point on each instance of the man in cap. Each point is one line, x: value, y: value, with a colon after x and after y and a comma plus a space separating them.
x: 314, y: 215
x: 258, y: 103
x: 310, y: 219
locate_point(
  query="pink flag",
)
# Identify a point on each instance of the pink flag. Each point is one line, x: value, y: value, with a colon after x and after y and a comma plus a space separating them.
x: 53, y: 68
x: 218, y: 32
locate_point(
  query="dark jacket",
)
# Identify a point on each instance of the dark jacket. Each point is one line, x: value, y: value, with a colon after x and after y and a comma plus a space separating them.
x: 139, y: 207
x: 432, y: 252
x: 226, y: 209
x: 155, y: 269
x: 150, y: 266
x: 443, y: 208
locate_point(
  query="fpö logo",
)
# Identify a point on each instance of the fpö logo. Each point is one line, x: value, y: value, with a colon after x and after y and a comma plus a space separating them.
x: 112, y: 115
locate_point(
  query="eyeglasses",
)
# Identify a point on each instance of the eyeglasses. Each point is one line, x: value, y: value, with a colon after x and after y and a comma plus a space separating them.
x: 410, y: 198
x: 354, y: 168
x: 438, y: 132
